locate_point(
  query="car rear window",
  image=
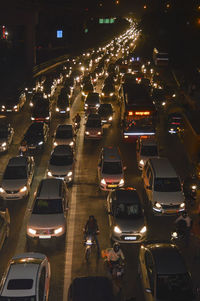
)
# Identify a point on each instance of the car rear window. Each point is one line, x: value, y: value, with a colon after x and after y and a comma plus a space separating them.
x: 20, y: 284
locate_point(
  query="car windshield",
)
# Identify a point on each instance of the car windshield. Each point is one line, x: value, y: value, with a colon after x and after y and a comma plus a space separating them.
x: 127, y: 211
x: 149, y: 150
x: 176, y: 287
x: 30, y: 298
x: 3, y: 134
x: 93, y: 123
x: 61, y: 160
x: 105, y: 110
x: 167, y: 184
x: 64, y: 134
x: 15, y: 173
x: 112, y: 168
x: 47, y: 206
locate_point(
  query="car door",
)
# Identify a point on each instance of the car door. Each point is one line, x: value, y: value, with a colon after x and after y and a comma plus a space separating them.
x: 149, y: 277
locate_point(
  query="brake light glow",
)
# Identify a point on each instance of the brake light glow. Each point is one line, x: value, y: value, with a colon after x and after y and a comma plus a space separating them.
x: 146, y: 113
x: 130, y: 113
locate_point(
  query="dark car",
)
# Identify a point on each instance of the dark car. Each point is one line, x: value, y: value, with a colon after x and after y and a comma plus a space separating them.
x: 91, y: 288
x: 66, y: 91
x: 92, y: 103
x: 163, y: 273
x: 108, y: 91
x: 12, y: 99
x: 87, y: 88
x: 41, y: 111
x: 36, y: 136
x: 175, y: 123
x: 62, y: 106
x: 159, y: 97
x: 106, y: 112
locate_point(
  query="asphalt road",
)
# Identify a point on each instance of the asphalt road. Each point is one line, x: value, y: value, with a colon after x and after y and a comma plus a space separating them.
x: 67, y: 260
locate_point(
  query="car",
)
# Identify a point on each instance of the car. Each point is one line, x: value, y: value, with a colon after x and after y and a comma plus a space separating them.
x: 36, y: 97
x: 163, y: 273
x: 108, y: 91
x: 4, y: 226
x: 106, y: 113
x: 175, y: 123
x: 47, y: 221
x: 92, y: 103
x: 61, y: 163
x: 147, y: 147
x: 91, y: 288
x: 110, y: 169
x: 63, y: 106
x: 6, y: 133
x: 64, y: 135
x: 93, y: 127
x: 27, y: 277
x: 87, y: 88
x: 12, y: 99
x: 36, y: 136
x: 66, y: 91
x: 159, y: 97
x: 126, y: 216
x: 41, y: 111
x: 17, y: 178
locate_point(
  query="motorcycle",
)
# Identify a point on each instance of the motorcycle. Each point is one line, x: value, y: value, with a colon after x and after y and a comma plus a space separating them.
x: 190, y: 187
x: 89, y: 244
x: 76, y: 126
x: 179, y: 234
x: 23, y: 150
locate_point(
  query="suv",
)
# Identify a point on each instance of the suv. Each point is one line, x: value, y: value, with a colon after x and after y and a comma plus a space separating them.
x: 17, y: 178
x: 27, y: 277
x: 36, y: 136
x: 41, y: 111
x: 146, y: 148
x: 163, y: 187
x: 48, y: 212
x: 110, y: 169
x: 126, y: 217
x: 163, y: 273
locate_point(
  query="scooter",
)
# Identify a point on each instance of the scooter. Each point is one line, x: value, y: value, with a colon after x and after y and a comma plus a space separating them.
x: 89, y: 244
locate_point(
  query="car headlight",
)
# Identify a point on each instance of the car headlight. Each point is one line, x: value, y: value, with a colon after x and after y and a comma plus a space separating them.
x: 102, y: 94
x: 4, y: 144
x: 163, y: 103
x: 47, y: 118
x: 68, y: 109
x: 59, y: 230
x: 86, y: 105
x: 2, y: 190
x: 182, y: 205
x: 143, y: 230
x: 15, y: 107
x: 49, y: 174
x: 69, y: 174
x: 83, y: 94
x: 57, y: 109
x: 3, y: 107
x: 110, y: 118
x: 99, y: 133
x: 40, y: 143
x: 55, y: 143
x: 87, y: 133
x: 121, y: 182
x: 141, y: 162
x: 32, y: 118
x: 23, y: 189
x: 157, y: 205
x: 194, y: 187
x: 97, y: 105
x: 71, y: 143
x: 31, y: 231
x: 103, y: 181
x: 117, y: 229
x: 31, y: 104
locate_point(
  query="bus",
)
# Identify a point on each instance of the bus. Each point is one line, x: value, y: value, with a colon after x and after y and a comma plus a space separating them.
x: 160, y: 58
x: 138, y: 113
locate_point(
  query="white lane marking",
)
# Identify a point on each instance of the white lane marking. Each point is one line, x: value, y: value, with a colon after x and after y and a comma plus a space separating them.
x: 72, y: 218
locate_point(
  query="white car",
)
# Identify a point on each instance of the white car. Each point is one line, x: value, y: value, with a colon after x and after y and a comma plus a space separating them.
x: 146, y: 148
x: 17, y: 178
x: 61, y: 163
x: 27, y: 278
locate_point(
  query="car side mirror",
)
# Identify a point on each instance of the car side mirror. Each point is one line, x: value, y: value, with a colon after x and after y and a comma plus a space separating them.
x: 148, y: 290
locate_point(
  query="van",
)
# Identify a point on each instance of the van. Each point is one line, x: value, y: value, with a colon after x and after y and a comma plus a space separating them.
x: 163, y: 187
x: 48, y: 212
x: 110, y: 169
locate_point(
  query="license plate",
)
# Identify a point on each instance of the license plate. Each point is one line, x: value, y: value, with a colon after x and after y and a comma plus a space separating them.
x: 112, y: 185
x: 62, y: 112
x: 130, y: 238
x: 170, y: 211
x: 45, y: 236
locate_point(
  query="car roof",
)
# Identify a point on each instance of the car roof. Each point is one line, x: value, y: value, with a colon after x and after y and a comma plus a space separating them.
x: 106, y: 105
x: 23, y: 267
x: 127, y: 195
x: 36, y: 126
x: 49, y: 188
x: 111, y: 154
x: 149, y: 141
x: 92, y: 288
x: 167, y: 258
x: 162, y: 167
x: 62, y: 150
x: 17, y: 161
x: 94, y: 116
x: 64, y: 127
x: 92, y: 96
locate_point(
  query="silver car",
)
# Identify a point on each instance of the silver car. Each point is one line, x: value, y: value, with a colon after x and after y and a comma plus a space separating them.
x: 17, y: 178
x: 126, y: 219
x: 64, y: 135
x: 61, y: 163
x: 48, y: 212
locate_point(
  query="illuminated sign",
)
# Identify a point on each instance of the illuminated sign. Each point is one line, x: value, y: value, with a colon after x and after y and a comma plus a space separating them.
x: 59, y: 34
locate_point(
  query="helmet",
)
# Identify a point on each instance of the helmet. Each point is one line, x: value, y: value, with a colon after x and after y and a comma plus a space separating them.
x: 116, y: 247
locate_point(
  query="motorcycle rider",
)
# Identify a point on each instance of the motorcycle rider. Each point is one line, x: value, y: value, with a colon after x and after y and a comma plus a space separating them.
x: 114, y: 255
x: 186, y: 224
x: 77, y: 118
x: 23, y: 149
x: 91, y: 227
